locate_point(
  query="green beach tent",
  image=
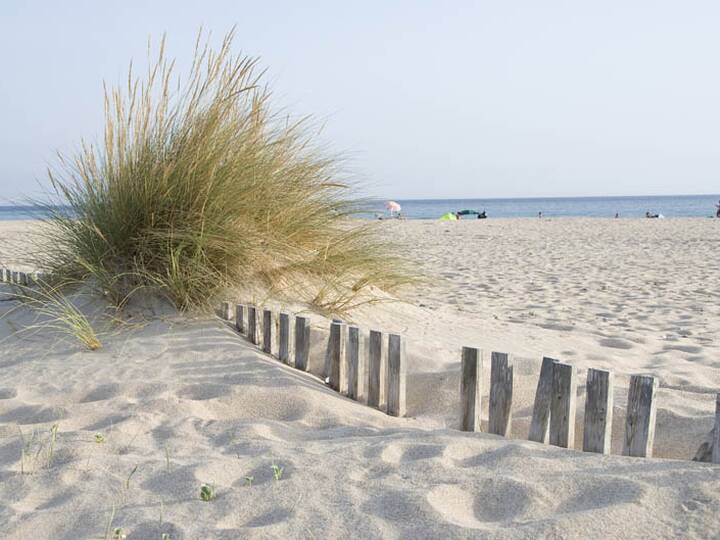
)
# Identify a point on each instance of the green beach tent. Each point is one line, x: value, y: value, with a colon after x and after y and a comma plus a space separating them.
x: 448, y: 217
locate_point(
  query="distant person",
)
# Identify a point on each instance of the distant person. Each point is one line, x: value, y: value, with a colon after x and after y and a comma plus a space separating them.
x: 540, y: 214
x: 651, y: 216
x: 482, y: 215
x: 717, y: 212
x: 617, y: 215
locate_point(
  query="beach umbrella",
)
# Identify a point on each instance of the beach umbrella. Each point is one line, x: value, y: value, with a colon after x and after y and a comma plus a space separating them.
x: 392, y: 206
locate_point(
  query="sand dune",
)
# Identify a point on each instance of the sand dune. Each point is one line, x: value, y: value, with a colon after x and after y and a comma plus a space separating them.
x: 185, y: 402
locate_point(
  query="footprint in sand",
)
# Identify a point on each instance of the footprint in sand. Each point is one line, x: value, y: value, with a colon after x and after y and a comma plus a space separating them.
x: 33, y: 414
x: 616, y: 343
x: 397, y: 453
x: 690, y: 349
x: 602, y: 492
x: 7, y: 393
x: 491, y: 500
x: 201, y: 392
x: 102, y: 392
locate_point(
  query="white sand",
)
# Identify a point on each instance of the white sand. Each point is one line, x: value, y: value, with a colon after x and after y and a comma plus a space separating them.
x: 633, y: 296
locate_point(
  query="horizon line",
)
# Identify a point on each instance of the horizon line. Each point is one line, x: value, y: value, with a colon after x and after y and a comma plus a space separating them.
x: 420, y: 199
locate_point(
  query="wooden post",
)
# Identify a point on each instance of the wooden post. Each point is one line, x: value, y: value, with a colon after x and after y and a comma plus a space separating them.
x: 336, y: 346
x: 375, y: 362
x: 302, y: 343
x: 716, y: 433
x: 267, y: 331
x: 240, y: 318
x: 501, y: 389
x: 396, y: 376
x: 225, y: 312
x: 470, y: 389
x: 15, y: 277
x: 562, y: 406
x: 540, y: 423
x: 598, y: 411
x: 640, y: 419
x: 284, y: 338
x: 353, y: 362
x: 253, y: 325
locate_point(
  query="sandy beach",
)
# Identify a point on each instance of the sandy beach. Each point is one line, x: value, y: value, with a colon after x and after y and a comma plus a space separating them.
x: 170, y: 403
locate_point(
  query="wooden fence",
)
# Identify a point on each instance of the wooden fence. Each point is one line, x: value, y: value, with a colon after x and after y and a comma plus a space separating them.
x: 382, y: 376
x: 384, y: 373
x: 14, y: 277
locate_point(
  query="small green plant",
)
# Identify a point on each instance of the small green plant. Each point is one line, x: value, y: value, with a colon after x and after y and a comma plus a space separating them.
x: 277, y: 472
x: 249, y: 480
x: 119, y: 534
x: 165, y: 536
x: 207, y: 493
x: 99, y: 438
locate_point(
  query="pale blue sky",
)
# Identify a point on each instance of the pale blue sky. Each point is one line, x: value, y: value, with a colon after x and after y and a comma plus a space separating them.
x: 430, y: 99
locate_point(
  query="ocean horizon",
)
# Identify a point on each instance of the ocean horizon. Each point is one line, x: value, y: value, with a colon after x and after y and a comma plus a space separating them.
x: 670, y: 206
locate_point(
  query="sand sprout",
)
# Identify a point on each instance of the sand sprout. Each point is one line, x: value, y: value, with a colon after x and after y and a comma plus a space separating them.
x: 198, y: 185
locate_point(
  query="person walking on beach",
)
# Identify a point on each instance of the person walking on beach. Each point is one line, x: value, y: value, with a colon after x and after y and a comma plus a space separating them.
x: 717, y: 212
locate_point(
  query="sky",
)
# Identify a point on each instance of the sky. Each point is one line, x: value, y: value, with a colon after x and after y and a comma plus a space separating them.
x: 425, y: 99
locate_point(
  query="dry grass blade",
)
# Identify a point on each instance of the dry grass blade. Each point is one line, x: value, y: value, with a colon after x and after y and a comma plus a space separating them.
x: 57, y: 311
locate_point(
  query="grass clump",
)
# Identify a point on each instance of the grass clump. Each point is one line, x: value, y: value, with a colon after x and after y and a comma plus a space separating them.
x: 207, y: 493
x: 198, y: 186
x: 57, y: 311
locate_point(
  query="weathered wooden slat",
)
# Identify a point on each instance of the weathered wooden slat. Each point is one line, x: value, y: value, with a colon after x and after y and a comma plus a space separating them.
x: 501, y: 390
x: 267, y: 331
x: 225, y: 311
x: 470, y: 389
x: 540, y: 423
x: 598, y: 411
x: 336, y: 351
x: 302, y: 343
x: 240, y: 318
x: 562, y: 406
x: 396, y: 376
x: 284, y: 338
x: 716, y: 432
x: 375, y: 371
x: 640, y: 419
x: 353, y: 362
x: 15, y: 277
x: 252, y: 332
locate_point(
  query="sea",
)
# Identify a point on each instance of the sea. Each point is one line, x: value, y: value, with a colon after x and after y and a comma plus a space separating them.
x: 669, y: 206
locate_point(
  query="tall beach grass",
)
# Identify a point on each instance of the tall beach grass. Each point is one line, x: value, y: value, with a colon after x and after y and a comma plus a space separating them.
x: 198, y: 186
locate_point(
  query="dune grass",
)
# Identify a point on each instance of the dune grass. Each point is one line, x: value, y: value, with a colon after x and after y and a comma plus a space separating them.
x: 199, y: 186
x: 56, y: 309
